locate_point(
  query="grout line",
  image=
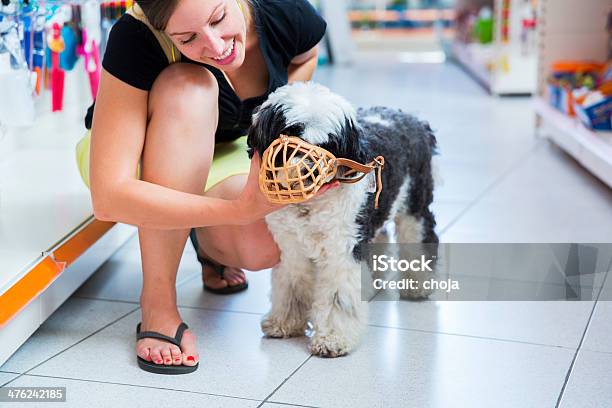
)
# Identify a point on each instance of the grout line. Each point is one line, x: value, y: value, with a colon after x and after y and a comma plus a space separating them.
x: 72, y: 345
x: 286, y: 404
x: 284, y: 381
x: 141, y: 386
x: 9, y: 381
x: 472, y: 336
x: 105, y: 299
x: 586, y: 328
x: 511, y: 169
x: 212, y: 309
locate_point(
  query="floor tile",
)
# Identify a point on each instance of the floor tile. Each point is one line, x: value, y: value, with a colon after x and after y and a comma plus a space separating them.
x: 72, y: 322
x: 97, y: 394
x: 120, y: 278
x: 590, y: 383
x: 599, y: 334
x: 234, y: 358
x: 606, y: 290
x: 532, y: 322
x: 6, y: 377
x: 575, y: 265
x: 398, y: 368
x: 253, y: 300
x: 549, y: 198
x: 446, y: 212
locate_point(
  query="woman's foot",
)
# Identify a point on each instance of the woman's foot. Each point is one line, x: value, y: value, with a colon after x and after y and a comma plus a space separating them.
x: 214, y: 276
x: 161, y: 352
x: 231, y: 277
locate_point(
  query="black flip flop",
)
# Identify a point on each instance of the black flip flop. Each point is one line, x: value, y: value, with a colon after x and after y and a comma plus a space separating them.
x: 161, y: 368
x: 228, y: 290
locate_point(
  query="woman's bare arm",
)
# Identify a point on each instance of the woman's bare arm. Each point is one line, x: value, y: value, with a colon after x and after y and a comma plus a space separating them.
x: 302, y: 66
x: 118, y: 134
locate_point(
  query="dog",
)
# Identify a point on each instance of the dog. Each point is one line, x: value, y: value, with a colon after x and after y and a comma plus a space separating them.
x: 317, y: 282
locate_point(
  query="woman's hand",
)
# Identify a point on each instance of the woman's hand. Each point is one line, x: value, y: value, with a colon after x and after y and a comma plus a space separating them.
x: 252, y: 204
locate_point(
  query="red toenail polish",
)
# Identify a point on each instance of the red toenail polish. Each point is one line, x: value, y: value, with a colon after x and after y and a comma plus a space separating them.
x: 190, y: 358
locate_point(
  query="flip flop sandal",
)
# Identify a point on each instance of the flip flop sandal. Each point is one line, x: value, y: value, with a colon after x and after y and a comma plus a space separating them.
x: 161, y: 368
x: 217, y: 268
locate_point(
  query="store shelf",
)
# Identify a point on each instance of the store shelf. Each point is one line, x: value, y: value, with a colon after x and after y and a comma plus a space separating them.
x: 483, y: 63
x: 572, y: 30
x: 50, y: 242
x: 42, y: 200
x: 476, y: 66
x: 591, y: 149
x: 394, y: 16
x: 502, y: 66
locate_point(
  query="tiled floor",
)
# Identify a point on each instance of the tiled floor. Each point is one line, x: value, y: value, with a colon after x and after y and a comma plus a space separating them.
x: 501, y: 184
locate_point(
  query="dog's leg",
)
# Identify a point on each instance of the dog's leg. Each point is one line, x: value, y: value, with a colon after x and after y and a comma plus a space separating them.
x: 292, y: 281
x: 338, y: 313
x: 410, y: 232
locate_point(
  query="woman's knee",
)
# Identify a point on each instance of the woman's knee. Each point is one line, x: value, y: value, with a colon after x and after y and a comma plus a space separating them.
x: 251, y: 247
x: 184, y: 89
x: 258, y: 250
x: 256, y: 259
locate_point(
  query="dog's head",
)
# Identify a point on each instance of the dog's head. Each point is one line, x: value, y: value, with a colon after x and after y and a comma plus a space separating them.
x: 309, y: 111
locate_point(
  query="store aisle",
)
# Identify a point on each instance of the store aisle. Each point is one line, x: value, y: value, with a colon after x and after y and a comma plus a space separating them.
x: 501, y: 184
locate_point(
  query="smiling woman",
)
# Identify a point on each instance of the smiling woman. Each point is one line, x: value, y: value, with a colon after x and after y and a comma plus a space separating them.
x: 172, y: 115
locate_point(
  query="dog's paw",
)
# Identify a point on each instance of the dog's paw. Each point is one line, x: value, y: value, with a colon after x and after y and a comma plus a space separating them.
x: 272, y: 327
x: 330, y: 345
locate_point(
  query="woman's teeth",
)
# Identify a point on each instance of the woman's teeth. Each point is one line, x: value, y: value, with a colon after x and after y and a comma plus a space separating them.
x: 227, y: 52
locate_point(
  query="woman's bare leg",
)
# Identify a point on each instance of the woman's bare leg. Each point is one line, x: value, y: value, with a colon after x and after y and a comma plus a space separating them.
x: 232, y: 276
x: 251, y: 247
x: 178, y: 152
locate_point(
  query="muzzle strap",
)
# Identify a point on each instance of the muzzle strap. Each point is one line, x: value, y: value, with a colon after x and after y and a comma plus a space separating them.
x: 355, y: 167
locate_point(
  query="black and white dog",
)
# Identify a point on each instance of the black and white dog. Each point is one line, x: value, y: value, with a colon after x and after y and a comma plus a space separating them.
x: 322, y: 240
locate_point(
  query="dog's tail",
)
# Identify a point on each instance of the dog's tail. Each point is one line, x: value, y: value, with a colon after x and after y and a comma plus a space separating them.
x: 435, y: 156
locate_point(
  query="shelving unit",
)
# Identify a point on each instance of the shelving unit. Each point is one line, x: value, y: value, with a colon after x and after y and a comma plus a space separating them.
x: 50, y: 243
x: 573, y: 31
x: 499, y: 66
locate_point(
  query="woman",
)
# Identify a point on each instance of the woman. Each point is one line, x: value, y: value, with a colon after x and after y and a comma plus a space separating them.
x: 233, y: 54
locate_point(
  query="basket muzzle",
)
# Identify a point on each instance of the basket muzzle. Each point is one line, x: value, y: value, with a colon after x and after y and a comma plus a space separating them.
x: 293, y: 170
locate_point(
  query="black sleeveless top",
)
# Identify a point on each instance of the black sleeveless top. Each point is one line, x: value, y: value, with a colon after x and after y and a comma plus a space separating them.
x: 285, y: 28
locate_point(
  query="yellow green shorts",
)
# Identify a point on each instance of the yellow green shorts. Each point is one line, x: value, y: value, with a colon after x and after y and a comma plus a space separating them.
x: 230, y: 159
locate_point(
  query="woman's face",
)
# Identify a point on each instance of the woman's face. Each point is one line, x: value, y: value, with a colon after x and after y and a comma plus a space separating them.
x: 210, y: 31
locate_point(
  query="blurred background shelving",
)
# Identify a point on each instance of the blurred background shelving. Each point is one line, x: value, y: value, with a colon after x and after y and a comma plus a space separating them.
x: 495, y: 42
x: 575, y: 42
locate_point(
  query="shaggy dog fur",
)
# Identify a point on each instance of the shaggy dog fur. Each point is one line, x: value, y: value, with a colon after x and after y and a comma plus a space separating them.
x: 322, y: 241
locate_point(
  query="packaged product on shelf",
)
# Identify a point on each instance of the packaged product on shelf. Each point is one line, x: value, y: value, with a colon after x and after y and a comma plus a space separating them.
x: 42, y: 41
x: 583, y: 89
x: 483, y: 27
x: 566, y: 76
x: 594, y: 108
x: 16, y: 79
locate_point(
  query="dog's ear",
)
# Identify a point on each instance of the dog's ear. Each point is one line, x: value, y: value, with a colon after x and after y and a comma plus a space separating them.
x: 347, y: 142
x: 268, y: 123
x: 252, y: 133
